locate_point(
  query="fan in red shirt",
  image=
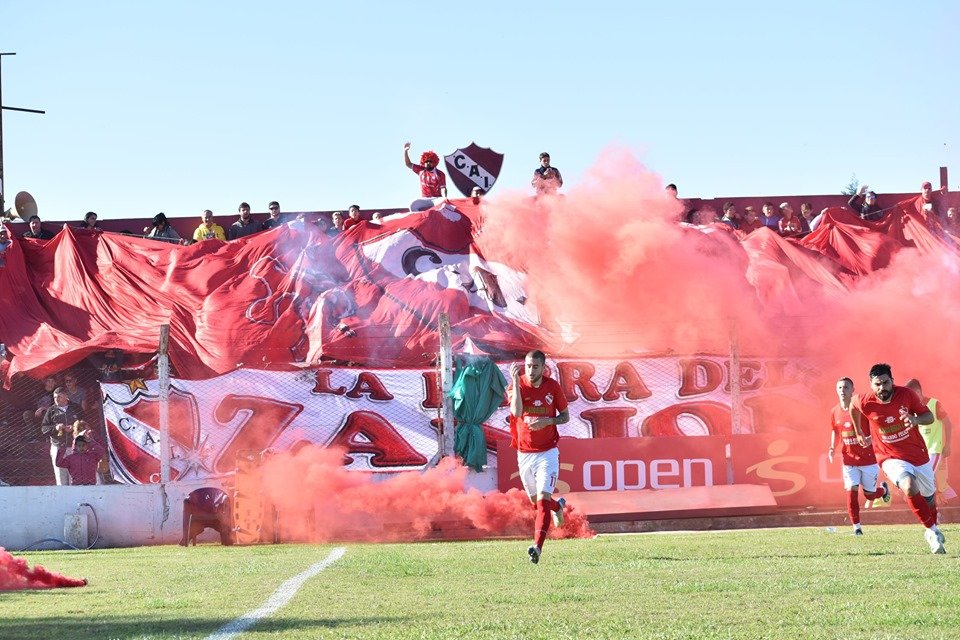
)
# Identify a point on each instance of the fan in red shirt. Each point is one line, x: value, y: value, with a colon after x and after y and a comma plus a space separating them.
x: 894, y: 413
x: 433, y: 182
x: 859, y: 463
x: 537, y: 406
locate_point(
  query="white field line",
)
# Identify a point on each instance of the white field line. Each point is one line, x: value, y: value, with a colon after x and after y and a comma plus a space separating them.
x: 278, y: 600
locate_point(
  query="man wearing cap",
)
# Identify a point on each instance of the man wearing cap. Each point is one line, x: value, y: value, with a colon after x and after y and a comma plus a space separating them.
x: 161, y: 230
x: 547, y: 179
x: 433, y: 182
x: 864, y: 202
x: 930, y: 203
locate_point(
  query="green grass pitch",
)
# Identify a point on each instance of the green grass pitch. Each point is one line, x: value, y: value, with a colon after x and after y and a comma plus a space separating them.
x: 776, y: 583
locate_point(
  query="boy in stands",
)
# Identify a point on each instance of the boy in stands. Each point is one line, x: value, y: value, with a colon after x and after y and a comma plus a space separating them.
x: 537, y: 406
x: 894, y: 413
x: 859, y: 463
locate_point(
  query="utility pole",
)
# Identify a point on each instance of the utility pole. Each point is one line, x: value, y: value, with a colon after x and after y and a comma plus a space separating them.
x: 2, y: 109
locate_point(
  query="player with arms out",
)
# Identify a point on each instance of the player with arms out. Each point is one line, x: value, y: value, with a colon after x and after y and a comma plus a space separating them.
x: 537, y: 406
x: 860, y: 467
x: 893, y: 414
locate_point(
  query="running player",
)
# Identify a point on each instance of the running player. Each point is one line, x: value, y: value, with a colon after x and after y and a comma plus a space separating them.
x: 537, y: 406
x: 860, y: 467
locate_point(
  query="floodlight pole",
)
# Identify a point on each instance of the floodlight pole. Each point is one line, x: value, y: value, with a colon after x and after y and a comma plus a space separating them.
x: 2, y: 108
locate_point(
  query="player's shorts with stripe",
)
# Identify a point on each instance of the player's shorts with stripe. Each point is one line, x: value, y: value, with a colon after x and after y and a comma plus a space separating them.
x: 863, y: 476
x: 923, y: 473
x: 539, y: 470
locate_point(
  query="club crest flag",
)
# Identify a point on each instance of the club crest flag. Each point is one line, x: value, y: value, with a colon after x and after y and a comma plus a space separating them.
x: 474, y: 166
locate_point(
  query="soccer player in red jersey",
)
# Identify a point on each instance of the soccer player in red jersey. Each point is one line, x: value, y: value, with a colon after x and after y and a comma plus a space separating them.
x: 894, y: 413
x: 537, y: 406
x: 860, y: 467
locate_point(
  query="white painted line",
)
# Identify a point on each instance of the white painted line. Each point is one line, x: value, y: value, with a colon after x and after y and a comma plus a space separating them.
x: 278, y: 600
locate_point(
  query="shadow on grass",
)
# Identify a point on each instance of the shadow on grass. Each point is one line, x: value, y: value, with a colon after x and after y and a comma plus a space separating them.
x: 81, y: 628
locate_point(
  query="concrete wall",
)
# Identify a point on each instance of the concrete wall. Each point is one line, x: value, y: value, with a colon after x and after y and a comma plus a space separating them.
x: 128, y: 515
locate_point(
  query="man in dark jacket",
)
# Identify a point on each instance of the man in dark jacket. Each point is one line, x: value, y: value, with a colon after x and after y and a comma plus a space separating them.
x: 864, y: 202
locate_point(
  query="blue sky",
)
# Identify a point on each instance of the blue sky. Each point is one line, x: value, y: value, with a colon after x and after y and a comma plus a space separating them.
x: 183, y: 106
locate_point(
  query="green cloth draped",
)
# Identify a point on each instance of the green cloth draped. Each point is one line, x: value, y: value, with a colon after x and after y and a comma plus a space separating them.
x: 478, y: 390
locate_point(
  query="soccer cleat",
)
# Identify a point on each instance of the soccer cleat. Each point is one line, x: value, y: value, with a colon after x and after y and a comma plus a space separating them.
x: 942, y: 538
x: 886, y: 492
x: 936, y: 546
x: 857, y: 531
x: 558, y: 514
x: 534, y: 554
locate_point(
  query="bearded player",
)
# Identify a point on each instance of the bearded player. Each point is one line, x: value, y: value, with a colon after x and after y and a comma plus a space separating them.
x: 859, y: 463
x: 894, y: 415
x: 537, y: 406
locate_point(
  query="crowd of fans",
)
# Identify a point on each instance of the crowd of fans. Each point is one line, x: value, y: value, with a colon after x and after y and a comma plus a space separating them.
x: 68, y: 415
x: 786, y: 222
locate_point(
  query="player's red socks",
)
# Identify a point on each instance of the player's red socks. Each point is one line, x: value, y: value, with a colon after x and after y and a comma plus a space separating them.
x: 926, y: 514
x: 543, y: 522
x: 873, y: 495
x: 853, y: 506
x: 550, y: 504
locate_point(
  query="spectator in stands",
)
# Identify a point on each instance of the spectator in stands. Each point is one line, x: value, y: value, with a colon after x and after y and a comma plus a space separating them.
x: 476, y: 193
x: 243, y: 227
x: 77, y: 394
x: 671, y: 190
x: 83, y: 461
x: 730, y: 216
x: 376, y: 218
x: 952, y: 223
x: 769, y: 217
x: 353, y: 217
x: 161, y: 230
x: 806, y: 216
x: 208, y: 229
x: 33, y: 417
x: 864, y: 202
x: 5, y: 243
x: 90, y: 222
x: 930, y: 202
x: 58, y: 424
x: 546, y: 179
x: 274, y: 220
x: 110, y: 365
x: 433, y: 182
x: 789, y: 225
x: 37, y: 232
x: 749, y: 220
x: 336, y: 218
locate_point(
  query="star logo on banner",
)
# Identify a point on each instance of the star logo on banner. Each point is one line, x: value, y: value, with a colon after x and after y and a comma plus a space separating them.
x: 197, y: 461
x: 136, y: 384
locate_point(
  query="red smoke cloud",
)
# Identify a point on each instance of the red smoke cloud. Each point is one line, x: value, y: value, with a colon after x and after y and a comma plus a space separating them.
x: 320, y: 501
x: 609, y: 261
x: 15, y: 575
x: 608, y: 264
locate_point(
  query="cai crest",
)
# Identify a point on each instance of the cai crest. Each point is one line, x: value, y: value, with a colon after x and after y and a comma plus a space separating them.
x: 474, y: 166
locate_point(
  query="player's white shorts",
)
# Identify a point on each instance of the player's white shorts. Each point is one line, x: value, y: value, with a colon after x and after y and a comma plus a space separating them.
x: 539, y: 471
x: 863, y: 476
x: 896, y: 469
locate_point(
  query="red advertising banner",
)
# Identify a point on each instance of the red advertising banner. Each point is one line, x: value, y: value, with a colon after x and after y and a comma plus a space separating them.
x: 792, y: 464
x: 626, y: 464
